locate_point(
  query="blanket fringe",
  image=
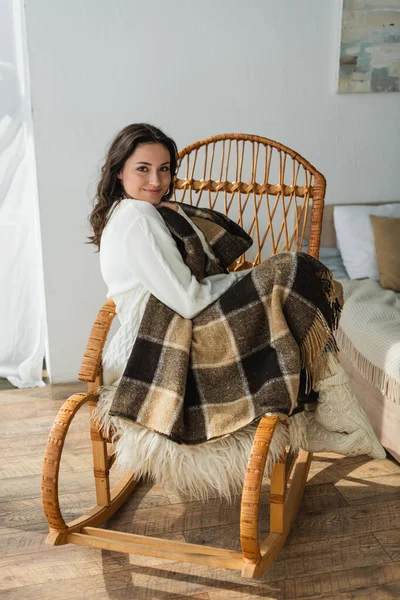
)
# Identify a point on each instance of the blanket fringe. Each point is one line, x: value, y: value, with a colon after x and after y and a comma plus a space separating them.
x: 386, y: 384
x: 320, y: 339
x: 333, y: 291
x: 314, y: 350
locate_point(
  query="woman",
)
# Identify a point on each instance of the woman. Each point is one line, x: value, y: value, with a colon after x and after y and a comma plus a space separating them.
x: 146, y: 257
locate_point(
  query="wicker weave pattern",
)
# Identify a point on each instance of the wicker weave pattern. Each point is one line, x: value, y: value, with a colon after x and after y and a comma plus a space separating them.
x: 251, y: 489
x: 91, y: 364
x: 265, y: 186
x: 52, y: 459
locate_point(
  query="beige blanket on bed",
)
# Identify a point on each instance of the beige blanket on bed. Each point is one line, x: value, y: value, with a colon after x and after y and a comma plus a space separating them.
x: 369, y: 334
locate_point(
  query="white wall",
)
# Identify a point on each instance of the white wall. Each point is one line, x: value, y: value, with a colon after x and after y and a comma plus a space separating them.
x: 195, y: 69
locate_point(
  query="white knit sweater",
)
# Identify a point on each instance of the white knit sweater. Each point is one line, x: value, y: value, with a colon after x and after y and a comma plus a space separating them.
x: 139, y: 257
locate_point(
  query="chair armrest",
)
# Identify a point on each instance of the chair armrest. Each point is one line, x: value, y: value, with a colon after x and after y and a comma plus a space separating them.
x: 91, y: 363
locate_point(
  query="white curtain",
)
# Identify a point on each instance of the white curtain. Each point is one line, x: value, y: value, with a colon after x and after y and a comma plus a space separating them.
x: 22, y: 304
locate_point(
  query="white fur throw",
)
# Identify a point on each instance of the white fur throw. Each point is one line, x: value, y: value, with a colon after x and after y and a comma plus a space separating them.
x: 217, y: 468
x: 195, y: 472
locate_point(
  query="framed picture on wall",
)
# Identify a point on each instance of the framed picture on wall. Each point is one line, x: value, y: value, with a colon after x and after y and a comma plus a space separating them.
x: 370, y: 46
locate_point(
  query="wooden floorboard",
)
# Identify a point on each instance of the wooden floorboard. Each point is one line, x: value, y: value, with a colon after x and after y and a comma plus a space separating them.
x: 390, y: 541
x: 345, y: 542
x: 381, y: 487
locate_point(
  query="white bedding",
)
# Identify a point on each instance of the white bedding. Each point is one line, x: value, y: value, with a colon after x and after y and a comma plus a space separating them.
x: 370, y: 328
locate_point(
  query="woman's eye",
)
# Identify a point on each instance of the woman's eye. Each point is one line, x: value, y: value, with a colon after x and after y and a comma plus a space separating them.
x: 143, y: 169
x: 164, y: 169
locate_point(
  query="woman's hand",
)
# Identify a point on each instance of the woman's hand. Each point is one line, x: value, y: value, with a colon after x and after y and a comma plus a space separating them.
x: 170, y: 205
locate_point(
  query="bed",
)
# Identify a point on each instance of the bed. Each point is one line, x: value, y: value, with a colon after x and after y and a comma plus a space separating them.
x: 369, y: 340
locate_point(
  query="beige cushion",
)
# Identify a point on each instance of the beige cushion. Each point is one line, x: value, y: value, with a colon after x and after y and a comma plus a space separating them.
x: 387, y: 245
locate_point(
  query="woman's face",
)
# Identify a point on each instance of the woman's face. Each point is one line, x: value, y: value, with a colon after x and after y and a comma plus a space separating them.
x: 146, y: 173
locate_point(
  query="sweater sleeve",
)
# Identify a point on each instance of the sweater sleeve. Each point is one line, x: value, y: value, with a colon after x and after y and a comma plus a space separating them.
x: 155, y: 261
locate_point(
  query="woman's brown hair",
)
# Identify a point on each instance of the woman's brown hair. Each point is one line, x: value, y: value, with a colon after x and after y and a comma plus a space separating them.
x: 109, y: 189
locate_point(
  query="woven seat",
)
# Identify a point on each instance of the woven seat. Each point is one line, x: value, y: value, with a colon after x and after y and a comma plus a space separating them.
x: 272, y: 192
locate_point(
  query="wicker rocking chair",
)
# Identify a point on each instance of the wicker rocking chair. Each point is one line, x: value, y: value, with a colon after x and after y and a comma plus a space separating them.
x: 233, y: 174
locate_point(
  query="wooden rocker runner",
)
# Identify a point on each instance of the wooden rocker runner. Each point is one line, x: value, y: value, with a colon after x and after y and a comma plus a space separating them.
x: 224, y: 170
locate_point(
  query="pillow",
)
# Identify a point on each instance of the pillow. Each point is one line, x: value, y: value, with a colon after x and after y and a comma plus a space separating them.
x: 356, y: 239
x: 332, y: 259
x: 387, y: 245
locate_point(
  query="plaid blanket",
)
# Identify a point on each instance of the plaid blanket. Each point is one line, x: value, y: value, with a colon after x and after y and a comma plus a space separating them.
x: 254, y: 351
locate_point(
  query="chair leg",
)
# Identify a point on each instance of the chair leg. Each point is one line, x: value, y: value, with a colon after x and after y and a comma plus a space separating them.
x: 107, y: 501
x: 284, y: 501
x: 101, y: 468
x: 52, y: 458
x: 274, y: 542
x: 251, y: 490
x: 277, y: 496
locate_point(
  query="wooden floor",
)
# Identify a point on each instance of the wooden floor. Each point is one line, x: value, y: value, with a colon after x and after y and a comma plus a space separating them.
x: 345, y: 543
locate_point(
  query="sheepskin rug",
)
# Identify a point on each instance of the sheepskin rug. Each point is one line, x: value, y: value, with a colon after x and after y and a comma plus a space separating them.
x: 194, y: 472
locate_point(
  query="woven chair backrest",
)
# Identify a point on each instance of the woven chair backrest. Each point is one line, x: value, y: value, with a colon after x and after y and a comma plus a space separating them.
x: 269, y: 189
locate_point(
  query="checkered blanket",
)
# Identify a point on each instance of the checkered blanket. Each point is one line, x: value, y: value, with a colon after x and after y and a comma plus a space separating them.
x: 256, y: 350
